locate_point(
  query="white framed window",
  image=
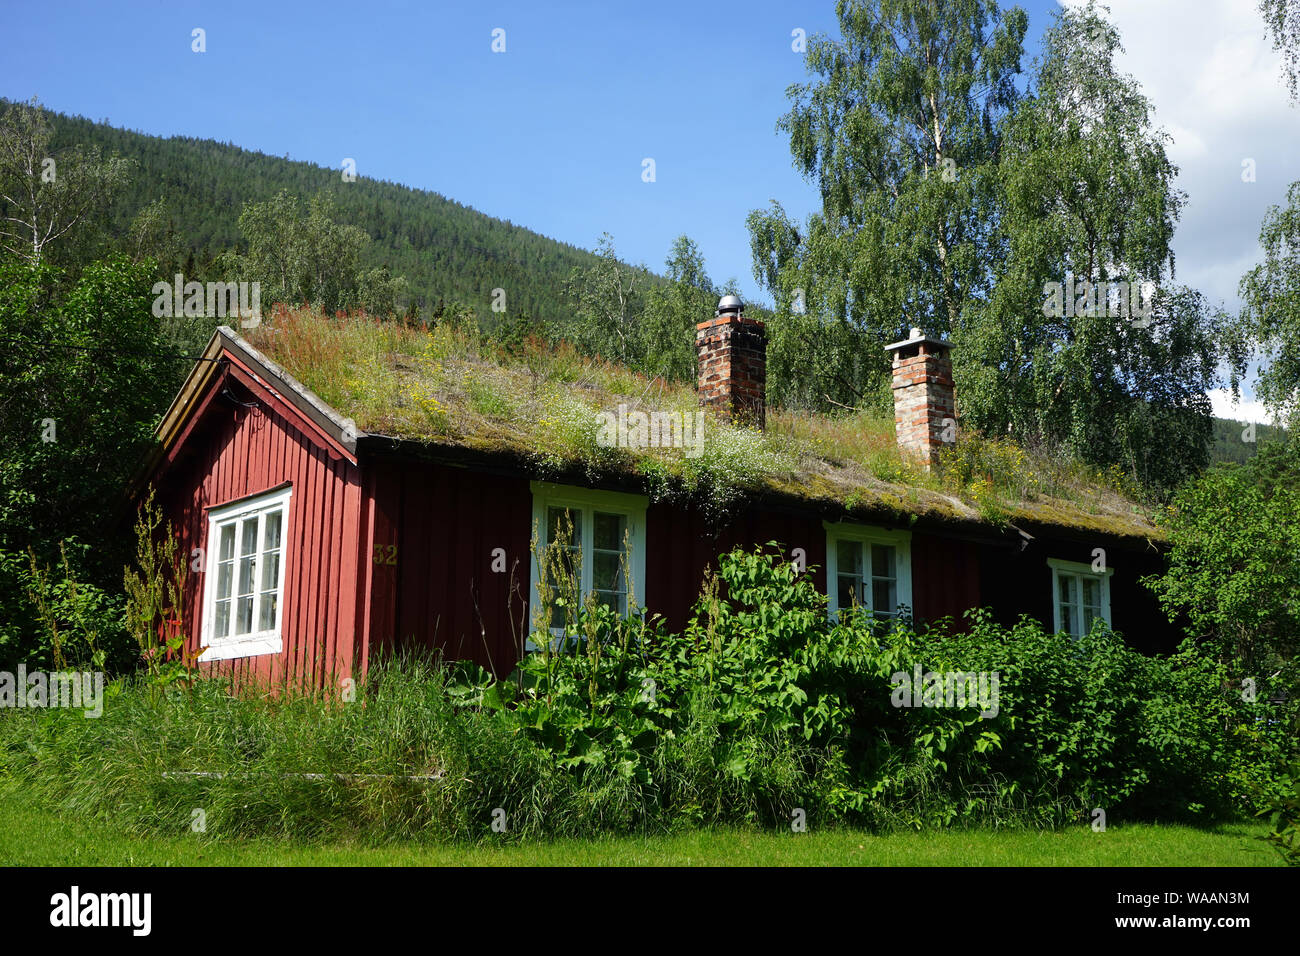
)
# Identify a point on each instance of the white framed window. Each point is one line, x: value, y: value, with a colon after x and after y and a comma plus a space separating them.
x: 243, y: 585
x: 607, y: 545
x: 871, y: 567
x: 1080, y: 596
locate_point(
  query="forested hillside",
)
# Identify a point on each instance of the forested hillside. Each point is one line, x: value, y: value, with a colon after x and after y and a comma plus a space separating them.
x: 1234, y: 442
x: 448, y: 252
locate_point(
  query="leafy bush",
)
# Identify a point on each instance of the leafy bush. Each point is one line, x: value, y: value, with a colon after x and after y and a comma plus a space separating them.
x: 155, y: 589
x: 759, y: 708
x: 1093, y: 719
x: 1284, y: 817
x: 1234, y: 561
x: 55, y: 618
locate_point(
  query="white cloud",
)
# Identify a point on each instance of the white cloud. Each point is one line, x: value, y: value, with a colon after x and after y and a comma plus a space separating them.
x: 1215, y: 82
x: 1244, y: 411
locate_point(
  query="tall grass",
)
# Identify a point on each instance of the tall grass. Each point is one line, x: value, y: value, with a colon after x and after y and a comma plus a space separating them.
x: 404, y: 762
x: 399, y: 762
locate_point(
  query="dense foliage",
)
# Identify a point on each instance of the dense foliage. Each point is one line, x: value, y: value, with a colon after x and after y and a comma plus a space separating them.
x: 83, y: 375
x: 1234, y: 563
x: 761, y: 711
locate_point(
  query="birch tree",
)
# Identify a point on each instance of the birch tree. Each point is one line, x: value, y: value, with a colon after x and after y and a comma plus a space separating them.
x: 46, y: 197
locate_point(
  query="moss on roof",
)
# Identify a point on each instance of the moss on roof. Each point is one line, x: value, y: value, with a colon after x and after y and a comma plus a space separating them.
x: 447, y: 387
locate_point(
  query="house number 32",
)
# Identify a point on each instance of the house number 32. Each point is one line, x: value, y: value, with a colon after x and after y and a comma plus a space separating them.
x: 385, y: 554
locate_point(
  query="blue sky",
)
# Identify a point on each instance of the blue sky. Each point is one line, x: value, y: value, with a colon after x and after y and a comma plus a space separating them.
x: 552, y: 133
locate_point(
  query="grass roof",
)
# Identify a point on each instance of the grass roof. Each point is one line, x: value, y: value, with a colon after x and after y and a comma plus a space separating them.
x: 450, y: 387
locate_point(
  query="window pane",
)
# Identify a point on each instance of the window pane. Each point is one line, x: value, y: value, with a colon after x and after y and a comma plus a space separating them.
x: 223, y: 619
x: 884, y: 583
x: 562, y: 567
x: 225, y: 573
x: 266, y: 614
x: 1067, y: 583
x: 882, y: 561
x: 848, y: 555
x: 270, y: 571
x: 559, y: 526
x: 850, y: 589
x: 271, y: 532
x: 245, y: 576
x: 607, y: 571
x: 227, y: 543
x: 884, y: 596
x: 1092, y: 593
x: 608, y: 532
x: 614, y: 600
x: 1067, y: 600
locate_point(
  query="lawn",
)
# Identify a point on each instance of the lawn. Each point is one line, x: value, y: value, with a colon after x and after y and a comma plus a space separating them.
x: 35, y: 836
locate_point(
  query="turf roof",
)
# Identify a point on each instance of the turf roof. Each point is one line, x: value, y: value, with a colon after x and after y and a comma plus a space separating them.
x: 446, y: 388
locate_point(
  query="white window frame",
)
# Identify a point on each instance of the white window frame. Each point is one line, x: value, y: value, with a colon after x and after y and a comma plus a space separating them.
x: 266, y: 641
x: 631, y: 507
x: 1077, y: 569
x: 868, y: 535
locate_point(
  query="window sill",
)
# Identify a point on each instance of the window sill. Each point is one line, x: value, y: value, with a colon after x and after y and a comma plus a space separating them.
x: 247, y: 647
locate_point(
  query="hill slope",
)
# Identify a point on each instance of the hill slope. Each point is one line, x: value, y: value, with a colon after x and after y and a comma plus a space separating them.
x: 447, y: 251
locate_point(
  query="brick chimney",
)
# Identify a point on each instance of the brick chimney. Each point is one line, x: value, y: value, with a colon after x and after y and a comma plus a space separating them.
x: 925, y: 410
x: 733, y: 363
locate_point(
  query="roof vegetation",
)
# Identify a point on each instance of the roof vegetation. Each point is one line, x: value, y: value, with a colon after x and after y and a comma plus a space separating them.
x: 451, y: 386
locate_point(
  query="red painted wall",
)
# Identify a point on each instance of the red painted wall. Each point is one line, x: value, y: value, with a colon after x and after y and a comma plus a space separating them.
x: 945, y: 577
x: 430, y: 531
x: 236, y: 452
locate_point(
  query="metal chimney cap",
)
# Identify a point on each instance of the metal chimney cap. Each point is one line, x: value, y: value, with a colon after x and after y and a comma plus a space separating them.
x: 730, y: 304
x: 918, y: 340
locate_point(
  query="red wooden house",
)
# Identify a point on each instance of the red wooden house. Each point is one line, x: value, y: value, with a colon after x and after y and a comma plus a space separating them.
x: 319, y: 543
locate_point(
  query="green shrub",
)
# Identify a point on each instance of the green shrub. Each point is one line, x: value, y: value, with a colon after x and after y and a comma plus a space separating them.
x: 1284, y: 817
x: 761, y: 708
x: 55, y: 618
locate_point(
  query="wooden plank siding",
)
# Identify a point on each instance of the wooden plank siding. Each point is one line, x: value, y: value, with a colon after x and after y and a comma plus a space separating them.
x: 241, y: 451
x: 945, y: 578
x: 443, y: 524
